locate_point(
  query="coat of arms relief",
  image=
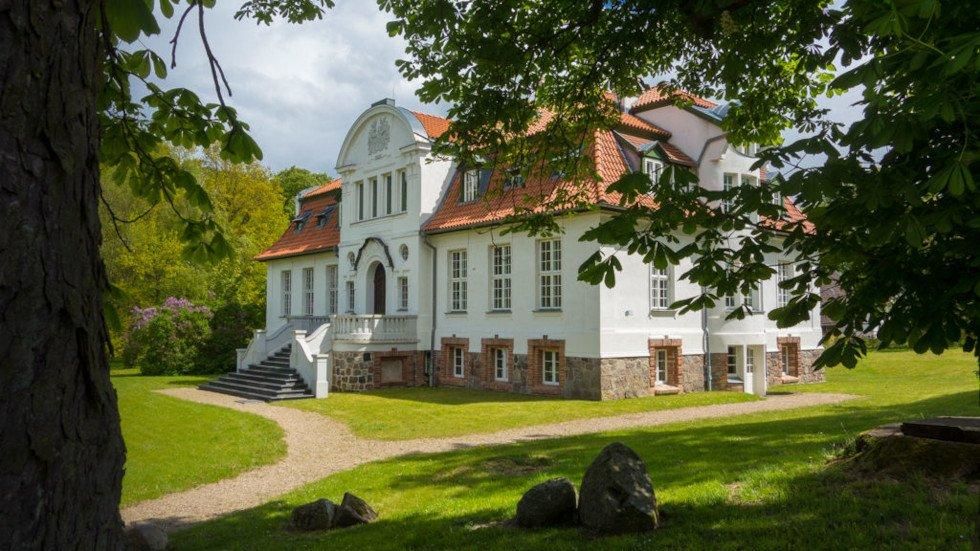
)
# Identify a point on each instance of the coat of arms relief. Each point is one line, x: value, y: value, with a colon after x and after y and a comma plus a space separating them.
x: 378, y: 136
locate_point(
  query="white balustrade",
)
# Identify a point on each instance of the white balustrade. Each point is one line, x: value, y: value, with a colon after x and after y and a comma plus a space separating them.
x: 373, y: 328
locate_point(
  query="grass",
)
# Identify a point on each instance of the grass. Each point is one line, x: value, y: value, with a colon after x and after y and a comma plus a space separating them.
x: 173, y: 445
x: 758, y: 481
x: 405, y: 413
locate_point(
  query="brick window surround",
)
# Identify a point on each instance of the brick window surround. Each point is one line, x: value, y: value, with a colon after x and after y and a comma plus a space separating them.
x: 446, y: 376
x: 674, y: 359
x: 535, y: 347
x: 408, y: 360
x: 790, y: 345
x: 487, y: 346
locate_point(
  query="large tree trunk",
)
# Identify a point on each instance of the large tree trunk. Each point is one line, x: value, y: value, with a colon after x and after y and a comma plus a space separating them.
x: 61, y: 452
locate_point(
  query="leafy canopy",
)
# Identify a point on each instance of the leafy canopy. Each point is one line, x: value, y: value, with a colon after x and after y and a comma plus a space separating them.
x: 895, y: 203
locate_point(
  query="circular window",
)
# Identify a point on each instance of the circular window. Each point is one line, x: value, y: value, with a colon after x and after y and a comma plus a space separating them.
x: 351, y: 258
x: 403, y: 251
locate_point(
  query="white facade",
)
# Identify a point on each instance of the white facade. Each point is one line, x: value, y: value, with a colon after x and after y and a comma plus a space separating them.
x: 381, y: 230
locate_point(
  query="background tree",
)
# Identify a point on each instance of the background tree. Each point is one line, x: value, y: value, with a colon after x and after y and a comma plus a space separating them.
x: 895, y: 203
x: 67, y: 105
x: 293, y: 180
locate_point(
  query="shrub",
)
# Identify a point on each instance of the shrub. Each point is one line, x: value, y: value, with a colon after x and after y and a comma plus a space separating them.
x: 167, y: 340
x: 231, y: 328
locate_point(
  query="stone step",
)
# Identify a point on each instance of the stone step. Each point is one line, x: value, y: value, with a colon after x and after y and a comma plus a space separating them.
x: 274, y: 362
x: 278, y: 378
x: 276, y: 385
x: 253, y: 392
x: 659, y: 390
x: 271, y: 370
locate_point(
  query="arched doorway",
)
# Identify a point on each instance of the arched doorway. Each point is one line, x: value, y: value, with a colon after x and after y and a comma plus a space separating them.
x: 378, y: 287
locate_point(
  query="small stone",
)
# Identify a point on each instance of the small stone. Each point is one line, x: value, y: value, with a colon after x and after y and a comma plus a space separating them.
x: 548, y: 504
x: 617, y: 494
x: 146, y: 537
x: 354, y: 510
x: 318, y: 515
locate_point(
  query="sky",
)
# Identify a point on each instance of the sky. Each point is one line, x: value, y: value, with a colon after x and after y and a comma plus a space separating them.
x: 300, y: 87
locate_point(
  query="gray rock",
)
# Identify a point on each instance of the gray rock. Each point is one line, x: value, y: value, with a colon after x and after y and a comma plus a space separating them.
x: 617, y: 495
x: 353, y: 510
x: 548, y: 504
x: 318, y: 515
x: 146, y: 537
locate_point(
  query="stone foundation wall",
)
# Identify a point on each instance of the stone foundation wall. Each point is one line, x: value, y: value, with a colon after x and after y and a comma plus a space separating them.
x: 625, y: 377
x: 807, y: 373
x: 352, y: 372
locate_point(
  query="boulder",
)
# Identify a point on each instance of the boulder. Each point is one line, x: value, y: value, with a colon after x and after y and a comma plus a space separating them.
x: 146, y: 537
x: 617, y: 495
x: 353, y: 510
x: 318, y: 515
x: 550, y: 503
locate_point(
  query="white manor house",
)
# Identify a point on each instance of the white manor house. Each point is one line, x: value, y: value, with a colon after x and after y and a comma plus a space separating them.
x: 398, y: 273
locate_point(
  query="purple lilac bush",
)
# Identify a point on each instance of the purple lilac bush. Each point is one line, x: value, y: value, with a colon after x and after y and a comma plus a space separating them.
x: 166, y: 339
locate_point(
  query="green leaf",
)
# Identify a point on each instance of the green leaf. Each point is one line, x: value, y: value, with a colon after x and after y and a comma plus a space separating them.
x: 128, y: 18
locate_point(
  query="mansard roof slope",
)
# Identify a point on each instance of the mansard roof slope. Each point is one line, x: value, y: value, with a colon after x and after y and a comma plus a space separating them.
x: 305, y: 234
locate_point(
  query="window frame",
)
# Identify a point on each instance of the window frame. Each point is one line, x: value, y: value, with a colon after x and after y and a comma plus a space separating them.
x: 456, y: 276
x: 389, y: 194
x: 549, y: 274
x: 471, y: 186
x: 500, y: 277
x: 403, y: 193
x: 332, y: 279
x: 351, y: 296
x: 660, y: 284
x: 783, y: 295
x: 729, y: 181
x: 731, y: 363
x: 654, y: 175
x: 459, y: 362
x: 286, y: 292
x: 359, y: 188
x: 374, y: 197
x: 308, y: 294
x: 784, y: 356
x: 554, y: 367
x: 500, y: 367
x: 660, y: 366
x: 402, y: 293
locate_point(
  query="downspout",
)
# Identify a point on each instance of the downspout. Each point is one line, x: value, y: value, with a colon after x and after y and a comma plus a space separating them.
x: 432, y: 331
x: 706, y: 346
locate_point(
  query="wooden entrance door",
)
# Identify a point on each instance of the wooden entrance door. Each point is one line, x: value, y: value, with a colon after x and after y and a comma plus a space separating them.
x: 379, y: 290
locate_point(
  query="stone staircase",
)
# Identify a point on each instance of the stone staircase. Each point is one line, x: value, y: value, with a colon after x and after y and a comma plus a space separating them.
x: 269, y: 380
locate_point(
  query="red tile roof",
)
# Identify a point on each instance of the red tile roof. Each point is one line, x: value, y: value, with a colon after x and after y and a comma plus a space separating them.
x: 658, y: 96
x: 434, y: 126
x: 326, y: 187
x: 673, y: 153
x: 311, y: 238
x: 632, y: 123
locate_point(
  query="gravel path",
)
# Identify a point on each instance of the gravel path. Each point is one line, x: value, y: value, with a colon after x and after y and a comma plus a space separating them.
x: 318, y: 446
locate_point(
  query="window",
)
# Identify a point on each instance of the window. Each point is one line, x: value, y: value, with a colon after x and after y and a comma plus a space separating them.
x: 514, y: 179
x: 653, y: 169
x: 359, y: 186
x: 307, y: 291
x: 732, y: 362
x: 785, y: 357
x: 753, y: 300
x: 730, y: 302
x: 457, y: 361
x: 374, y: 197
x: 659, y: 288
x: 471, y: 185
x: 661, y: 364
x: 783, y: 273
x: 286, y: 278
x: 389, y: 195
x: 404, y: 191
x: 457, y: 281
x: 331, y: 290
x: 748, y: 180
x: 500, y: 364
x: 750, y: 360
x: 403, y: 293
x: 549, y: 274
x: 549, y: 367
x: 728, y: 184
x: 500, y: 278
x: 350, y: 296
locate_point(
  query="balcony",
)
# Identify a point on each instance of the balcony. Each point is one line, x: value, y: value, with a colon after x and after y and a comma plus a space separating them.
x: 373, y: 328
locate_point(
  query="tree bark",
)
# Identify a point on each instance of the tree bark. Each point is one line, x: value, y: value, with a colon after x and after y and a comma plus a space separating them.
x: 62, y: 452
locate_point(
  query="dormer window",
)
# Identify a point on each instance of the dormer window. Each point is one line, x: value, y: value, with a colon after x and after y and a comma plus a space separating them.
x: 300, y: 220
x: 471, y: 185
x: 514, y: 179
x: 653, y: 168
x: 324, y: 216
x: 749, y: 149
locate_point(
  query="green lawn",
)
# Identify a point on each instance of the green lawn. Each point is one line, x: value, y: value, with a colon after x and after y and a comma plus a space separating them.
x: 173, y: 445
x: 405, y: 413
x: 760, y: 481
